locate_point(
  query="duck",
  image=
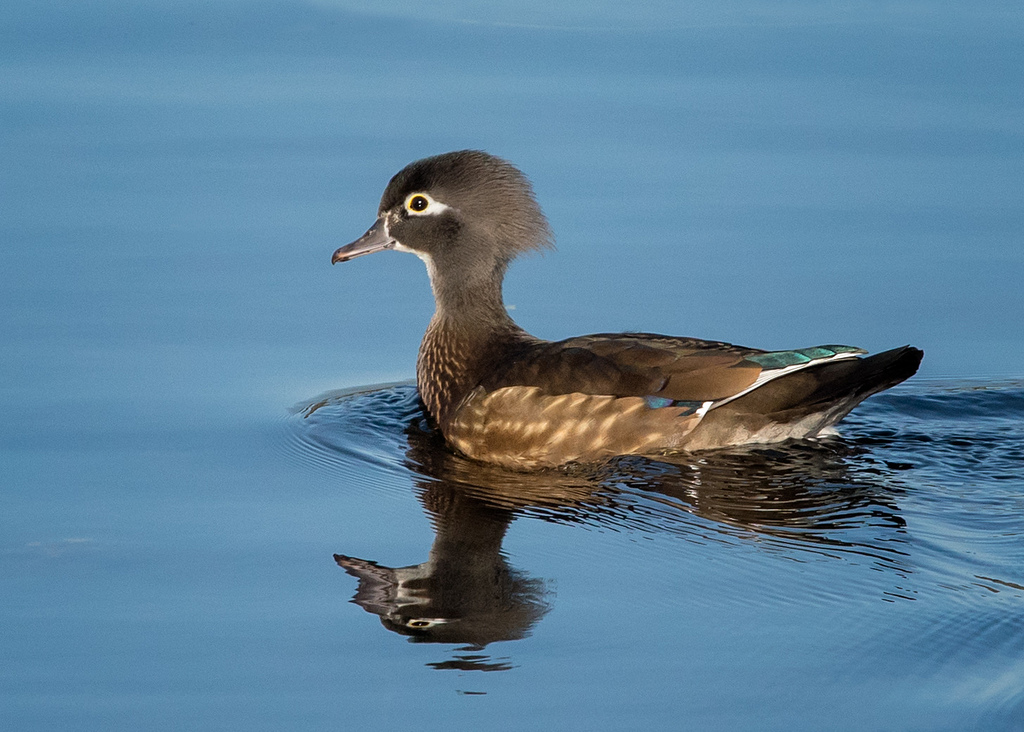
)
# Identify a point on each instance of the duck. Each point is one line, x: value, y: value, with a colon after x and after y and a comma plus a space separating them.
x: 500, y: 395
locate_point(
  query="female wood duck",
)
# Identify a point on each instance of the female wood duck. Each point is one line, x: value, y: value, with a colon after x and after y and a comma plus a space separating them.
x: 500, y: 395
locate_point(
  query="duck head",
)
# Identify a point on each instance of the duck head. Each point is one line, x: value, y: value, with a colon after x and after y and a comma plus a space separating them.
x: 466, y: 214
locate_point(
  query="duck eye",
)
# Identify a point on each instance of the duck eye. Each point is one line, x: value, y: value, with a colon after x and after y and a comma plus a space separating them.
x: 418, y: 203
x: 421, y: 623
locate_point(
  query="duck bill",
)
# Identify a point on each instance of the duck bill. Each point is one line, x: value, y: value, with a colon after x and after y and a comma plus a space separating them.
x: 375, y: 240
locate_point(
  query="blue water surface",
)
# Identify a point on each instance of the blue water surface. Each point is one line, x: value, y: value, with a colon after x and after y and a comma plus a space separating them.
x: 180, y: 467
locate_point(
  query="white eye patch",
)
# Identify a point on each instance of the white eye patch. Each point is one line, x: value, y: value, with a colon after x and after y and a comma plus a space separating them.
x: 424, y: 623
x: 421, y: 204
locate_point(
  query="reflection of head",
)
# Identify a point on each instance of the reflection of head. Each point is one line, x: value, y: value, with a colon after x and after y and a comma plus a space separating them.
x: 465, y: 592
x: 442, y: 603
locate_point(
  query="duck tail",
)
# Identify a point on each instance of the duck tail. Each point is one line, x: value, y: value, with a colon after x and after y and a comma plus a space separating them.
x: 836, y: 385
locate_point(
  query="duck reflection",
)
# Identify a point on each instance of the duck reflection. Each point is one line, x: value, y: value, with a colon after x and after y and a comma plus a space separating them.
x: 465, y: 592
x: 829, y: 498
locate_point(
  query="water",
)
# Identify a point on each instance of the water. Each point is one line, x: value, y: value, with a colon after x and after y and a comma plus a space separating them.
x: 173, y: 180
x: 886, y: 560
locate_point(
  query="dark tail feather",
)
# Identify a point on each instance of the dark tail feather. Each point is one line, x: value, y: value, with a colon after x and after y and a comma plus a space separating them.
x: 839, y: 385
x: 880, y: 372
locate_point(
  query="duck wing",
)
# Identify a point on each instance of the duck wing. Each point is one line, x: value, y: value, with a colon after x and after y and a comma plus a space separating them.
x: 666, y: 370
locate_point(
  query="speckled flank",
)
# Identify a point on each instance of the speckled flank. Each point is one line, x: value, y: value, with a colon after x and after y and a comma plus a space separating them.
x: 521, y: 428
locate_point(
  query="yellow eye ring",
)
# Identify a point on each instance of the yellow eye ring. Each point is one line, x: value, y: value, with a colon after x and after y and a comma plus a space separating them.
x: 417, y: 203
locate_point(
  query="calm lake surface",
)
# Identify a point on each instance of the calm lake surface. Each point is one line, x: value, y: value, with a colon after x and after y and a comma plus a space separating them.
x: 210, y: 521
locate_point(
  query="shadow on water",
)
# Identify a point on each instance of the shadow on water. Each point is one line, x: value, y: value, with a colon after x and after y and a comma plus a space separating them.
x: 821, y: 500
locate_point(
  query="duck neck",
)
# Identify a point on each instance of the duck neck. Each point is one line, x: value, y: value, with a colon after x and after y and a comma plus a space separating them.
x: 469, y: 334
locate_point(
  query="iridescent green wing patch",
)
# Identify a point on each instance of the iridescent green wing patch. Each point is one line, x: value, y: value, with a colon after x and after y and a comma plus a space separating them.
x: 785, y: 359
